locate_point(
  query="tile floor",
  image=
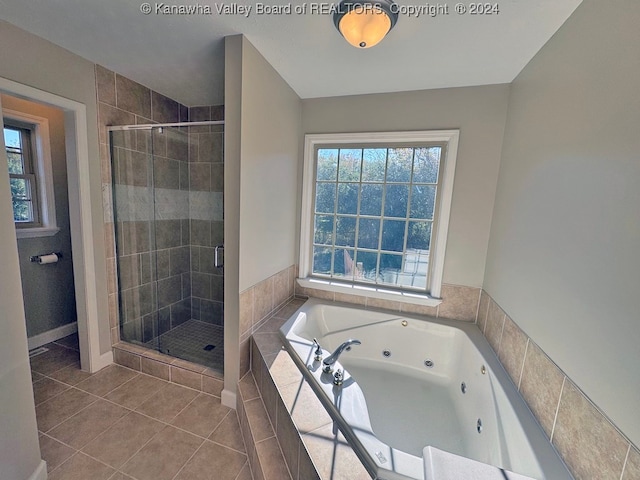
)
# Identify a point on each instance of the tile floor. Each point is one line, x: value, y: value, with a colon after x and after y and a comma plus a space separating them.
x: 119, y: 424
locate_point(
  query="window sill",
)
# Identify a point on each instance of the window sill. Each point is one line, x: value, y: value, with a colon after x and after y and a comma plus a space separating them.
x: 36, y: 232
x: 373, y: 292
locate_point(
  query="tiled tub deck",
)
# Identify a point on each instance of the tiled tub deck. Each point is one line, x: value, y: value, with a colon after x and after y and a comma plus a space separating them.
x: 282, y: 419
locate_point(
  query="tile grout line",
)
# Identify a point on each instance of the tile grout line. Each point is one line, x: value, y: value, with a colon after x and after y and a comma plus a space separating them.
x: 555, y: 418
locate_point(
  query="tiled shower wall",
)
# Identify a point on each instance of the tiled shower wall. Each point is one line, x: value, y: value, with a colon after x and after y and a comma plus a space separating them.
x: 189, y: 181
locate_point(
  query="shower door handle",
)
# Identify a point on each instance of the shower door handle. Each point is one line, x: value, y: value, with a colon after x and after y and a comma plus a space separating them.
x: 218, y: 256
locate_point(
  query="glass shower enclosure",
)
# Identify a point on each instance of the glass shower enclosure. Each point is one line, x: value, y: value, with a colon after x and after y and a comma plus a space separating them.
x: 167, y: 190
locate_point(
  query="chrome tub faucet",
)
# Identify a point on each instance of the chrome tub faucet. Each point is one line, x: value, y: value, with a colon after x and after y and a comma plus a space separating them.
x: 327, y: 363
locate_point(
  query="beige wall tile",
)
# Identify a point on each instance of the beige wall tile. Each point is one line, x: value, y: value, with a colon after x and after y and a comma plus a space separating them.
x: 483, y: 310
x: 258, y: 421
x: 459, y: 302
x: 512, y: 349
x: 288, y: 438
x: 348, y: 298
x: 495, y: 323
x: 304, y: 407
x: 271, y: 460
x: 248, y: 388
x: 106, y: 85
x: 262, y: 299
x: 420, y: 309
x: 588, y: 443
x: 540, y: 386
x: 384, y: 304
x: 315, y: 293
x: 632, y: 468
x: 333, y: 456
x: 246, y: 311
x: 281, y: 287
x: 245, y: 356
x: 133, y: 97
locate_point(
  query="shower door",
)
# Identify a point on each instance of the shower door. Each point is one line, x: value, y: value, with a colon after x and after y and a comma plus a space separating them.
x: 168, y: 220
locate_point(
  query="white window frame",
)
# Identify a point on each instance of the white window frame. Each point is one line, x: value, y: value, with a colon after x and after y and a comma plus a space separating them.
x: 439, y: 242
x: 44, y: 174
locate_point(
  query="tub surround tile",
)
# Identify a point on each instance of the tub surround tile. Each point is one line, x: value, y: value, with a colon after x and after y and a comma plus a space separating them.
x: 349, y: 298
x: 632, y: 467
x: 495, y: 324
x: 420, y: 309
x: 246, y: 311
x: 271, y: 460
x: 263, y: 300
x: 258, y: 420
x: 268, y: 343
x: 304, y: 407
x: 512, y: 350
x: 281, y: 288
x: 383, y: 303
x: 483, y: 310
x: 541, y: 385
x: 333, y: 456
x: 588, y: 443
x: 459, y: 303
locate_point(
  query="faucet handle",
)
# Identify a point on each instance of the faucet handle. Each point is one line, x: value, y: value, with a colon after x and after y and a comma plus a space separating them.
x: 318, y: 351
x: 338, y: 377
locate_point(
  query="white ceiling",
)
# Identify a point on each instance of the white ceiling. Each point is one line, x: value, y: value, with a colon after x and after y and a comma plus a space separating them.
x: 182, y: 56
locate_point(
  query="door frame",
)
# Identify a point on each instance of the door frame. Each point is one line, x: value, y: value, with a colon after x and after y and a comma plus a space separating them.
x: 80, y: 216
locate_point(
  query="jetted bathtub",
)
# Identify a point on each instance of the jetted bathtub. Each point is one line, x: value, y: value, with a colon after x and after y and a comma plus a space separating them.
x: 421, y: 398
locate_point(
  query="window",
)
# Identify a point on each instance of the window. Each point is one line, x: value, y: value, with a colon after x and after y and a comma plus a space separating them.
x: 26, y: 139
x: 375, y: 212
x: 24, y: 185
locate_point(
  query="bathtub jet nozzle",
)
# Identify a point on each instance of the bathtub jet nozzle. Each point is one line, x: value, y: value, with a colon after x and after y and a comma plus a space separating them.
x: 327, y: 363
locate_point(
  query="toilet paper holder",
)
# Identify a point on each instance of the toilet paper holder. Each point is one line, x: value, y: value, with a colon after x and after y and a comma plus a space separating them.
x: 36, y: 258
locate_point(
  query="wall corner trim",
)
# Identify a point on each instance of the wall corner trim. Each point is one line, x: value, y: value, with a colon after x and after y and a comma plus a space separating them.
x: 40, y: 473
x: 228, y: 398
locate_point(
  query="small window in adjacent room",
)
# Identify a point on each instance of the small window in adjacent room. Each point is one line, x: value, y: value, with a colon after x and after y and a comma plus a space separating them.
x: 376, y: 211
x: 26, y: 139
x: 24, y: 183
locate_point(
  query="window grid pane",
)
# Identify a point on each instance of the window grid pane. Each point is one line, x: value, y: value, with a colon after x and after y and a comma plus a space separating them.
x: 396, y: 188
x: 21, y: 175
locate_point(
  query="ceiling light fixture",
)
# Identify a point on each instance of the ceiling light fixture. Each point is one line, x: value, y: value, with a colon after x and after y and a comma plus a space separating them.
x: 364, y: 23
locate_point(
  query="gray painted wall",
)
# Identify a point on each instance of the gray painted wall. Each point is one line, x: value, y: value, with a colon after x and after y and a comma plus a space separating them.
x: 19, y: 449
x: 48, y: 290
x: 563, y: 259
x: 479, y: 113
x: 56, y: 70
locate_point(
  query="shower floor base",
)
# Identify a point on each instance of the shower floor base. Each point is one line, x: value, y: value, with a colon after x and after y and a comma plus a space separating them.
x: 194, y: 341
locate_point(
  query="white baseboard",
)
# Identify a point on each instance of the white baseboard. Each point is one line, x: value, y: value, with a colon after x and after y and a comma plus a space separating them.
x: 102, y: 361
x: 52, y: 335
x: 228, y: 399
x: 40, y: 473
